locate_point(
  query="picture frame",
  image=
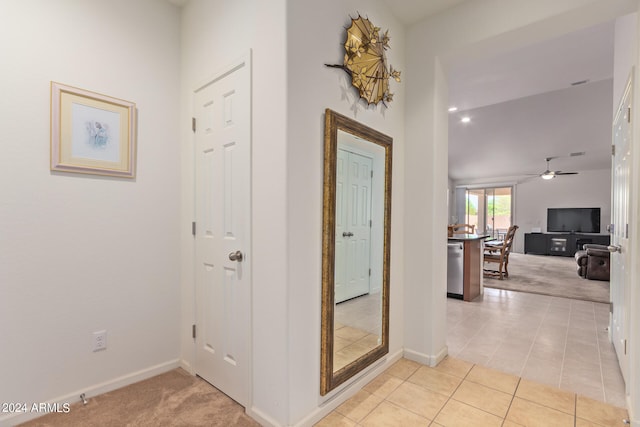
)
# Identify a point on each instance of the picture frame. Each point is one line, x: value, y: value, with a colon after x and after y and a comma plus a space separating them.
x: 92, y: 133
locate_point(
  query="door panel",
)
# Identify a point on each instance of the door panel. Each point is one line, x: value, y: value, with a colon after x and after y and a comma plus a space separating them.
x: 222, y: 186
x: 620, y: 260
x: 353, y: 225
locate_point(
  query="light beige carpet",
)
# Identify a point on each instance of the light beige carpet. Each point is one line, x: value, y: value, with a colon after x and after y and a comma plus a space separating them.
x: 171, y: 399
x: 549, y: 275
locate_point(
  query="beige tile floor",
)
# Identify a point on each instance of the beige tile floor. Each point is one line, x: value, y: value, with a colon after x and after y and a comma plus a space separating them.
x: 350, y: 343
x: 460, y: 393
x: 357, y: 328
x: 554, y: 341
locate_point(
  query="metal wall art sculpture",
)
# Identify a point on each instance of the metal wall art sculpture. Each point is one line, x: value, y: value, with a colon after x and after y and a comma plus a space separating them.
x: 366, y: 62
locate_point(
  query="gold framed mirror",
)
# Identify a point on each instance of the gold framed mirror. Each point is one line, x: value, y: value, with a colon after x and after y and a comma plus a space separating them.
x: 355, y: 249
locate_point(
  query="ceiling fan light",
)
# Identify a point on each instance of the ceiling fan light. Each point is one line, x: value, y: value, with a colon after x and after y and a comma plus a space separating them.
x: 548, y: 176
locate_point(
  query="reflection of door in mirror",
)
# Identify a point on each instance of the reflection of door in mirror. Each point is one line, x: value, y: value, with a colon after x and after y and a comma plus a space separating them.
x: 358, y: 248
x: 353, y: 225
x: 355, y: 255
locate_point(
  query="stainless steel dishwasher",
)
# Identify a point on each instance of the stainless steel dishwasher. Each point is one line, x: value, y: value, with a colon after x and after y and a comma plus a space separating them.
x: 455, y: 268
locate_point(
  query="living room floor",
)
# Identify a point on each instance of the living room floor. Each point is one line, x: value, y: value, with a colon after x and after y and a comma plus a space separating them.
x: 551, y: 340
x: 514, y: 359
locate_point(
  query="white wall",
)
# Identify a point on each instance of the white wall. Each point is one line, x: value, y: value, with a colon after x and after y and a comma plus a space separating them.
x: 290, y: 92
x: 82, y: 253
x: 589, y: 189
x: 214, y: 33
x: 315, y: 37
x: 136, y: 229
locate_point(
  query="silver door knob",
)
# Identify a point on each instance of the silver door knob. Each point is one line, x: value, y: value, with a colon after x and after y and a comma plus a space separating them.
x: 236, y: 256
x: 614, y: 248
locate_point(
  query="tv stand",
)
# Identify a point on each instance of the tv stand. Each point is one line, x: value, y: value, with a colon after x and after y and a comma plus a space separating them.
x: 560, y: 244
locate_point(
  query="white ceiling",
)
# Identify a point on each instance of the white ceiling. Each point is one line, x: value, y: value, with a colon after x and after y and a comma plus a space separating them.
x: 543, y: 67
x: 412, y: 11
x: 509, y: 143
x: 495, y: 83
x: 531, y: 75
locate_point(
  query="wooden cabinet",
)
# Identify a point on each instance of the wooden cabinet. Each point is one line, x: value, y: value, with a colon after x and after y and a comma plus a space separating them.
x: 536, y: 243
x: 560, y: 244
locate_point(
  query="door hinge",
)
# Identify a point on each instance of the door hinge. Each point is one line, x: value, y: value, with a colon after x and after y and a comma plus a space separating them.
x: 193, y: 331
x: 613, y: 150
x: 372, y: 173
x: 369, y: 272
x: 193, y: 124
x: 193, y: 228
x: 629, y: 115
x: 625, y: 346
x: 611, y: 307
x: 370, y: 223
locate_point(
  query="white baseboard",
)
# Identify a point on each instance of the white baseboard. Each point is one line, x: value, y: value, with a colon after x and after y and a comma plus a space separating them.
x: 94, y: 390
x: 426, y: 359
x: 187, y: 367
x: 633, y: 421
x: 261, y: 418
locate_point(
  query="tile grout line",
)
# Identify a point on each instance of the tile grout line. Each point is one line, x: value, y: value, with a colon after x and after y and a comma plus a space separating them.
x: 566, y: 341
x: 595, y: 323
x: 472, y: 337
x: 513, y: 397
x: 534, y: 340
x: 451, y: 396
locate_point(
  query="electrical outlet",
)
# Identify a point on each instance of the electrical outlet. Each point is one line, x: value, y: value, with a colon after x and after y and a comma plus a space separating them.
x: 99, y: 340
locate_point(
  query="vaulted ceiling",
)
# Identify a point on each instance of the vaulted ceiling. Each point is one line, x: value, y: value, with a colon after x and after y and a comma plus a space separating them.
x: 545, y: 100
x: 523, y: 106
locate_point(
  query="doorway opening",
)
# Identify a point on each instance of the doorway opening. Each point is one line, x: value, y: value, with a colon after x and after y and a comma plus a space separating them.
x: 490, y: 210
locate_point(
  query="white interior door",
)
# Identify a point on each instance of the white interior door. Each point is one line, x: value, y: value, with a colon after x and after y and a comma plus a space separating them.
x: 353, y: 225
x: 620, y: 260
x: 223, y: 279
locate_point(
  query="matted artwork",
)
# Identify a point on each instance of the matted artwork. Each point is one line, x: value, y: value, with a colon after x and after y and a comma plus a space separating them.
x: 92, y: 133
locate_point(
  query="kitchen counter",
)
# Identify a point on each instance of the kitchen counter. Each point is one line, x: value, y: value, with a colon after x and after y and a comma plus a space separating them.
x: 473, y: 248
x: 464, y: 237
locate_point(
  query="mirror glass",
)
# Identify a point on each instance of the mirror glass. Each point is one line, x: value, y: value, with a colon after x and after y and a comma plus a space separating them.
x: 355, y: 279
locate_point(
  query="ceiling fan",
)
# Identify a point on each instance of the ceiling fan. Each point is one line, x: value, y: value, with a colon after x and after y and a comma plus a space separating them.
x: 549, y: 174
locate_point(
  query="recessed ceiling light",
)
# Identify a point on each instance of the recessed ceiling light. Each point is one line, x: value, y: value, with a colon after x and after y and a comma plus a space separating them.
x: 465, y: 119
x: 453, y: 109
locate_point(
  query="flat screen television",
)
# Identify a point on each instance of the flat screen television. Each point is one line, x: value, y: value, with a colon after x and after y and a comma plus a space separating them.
x: 573, y: 220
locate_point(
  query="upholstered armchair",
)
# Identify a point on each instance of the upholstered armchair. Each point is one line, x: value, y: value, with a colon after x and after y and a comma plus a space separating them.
x: 593, y: 262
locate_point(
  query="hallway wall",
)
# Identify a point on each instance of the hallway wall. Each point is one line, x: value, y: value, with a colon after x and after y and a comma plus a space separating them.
x: 81, y: 253
x: 214, y: 34
x: 316, y: 37
x: 291, y: 89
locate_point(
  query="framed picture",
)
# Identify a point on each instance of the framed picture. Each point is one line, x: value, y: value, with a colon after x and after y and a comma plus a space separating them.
x: 92, y: 133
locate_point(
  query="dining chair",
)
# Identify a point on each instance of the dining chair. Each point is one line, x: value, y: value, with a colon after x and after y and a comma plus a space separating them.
x: 461, y: 229
x: 498, y: 253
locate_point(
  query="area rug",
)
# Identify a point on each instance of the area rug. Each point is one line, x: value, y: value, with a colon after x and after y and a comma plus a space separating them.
x: 549, y: 275
x: 174, y: 398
